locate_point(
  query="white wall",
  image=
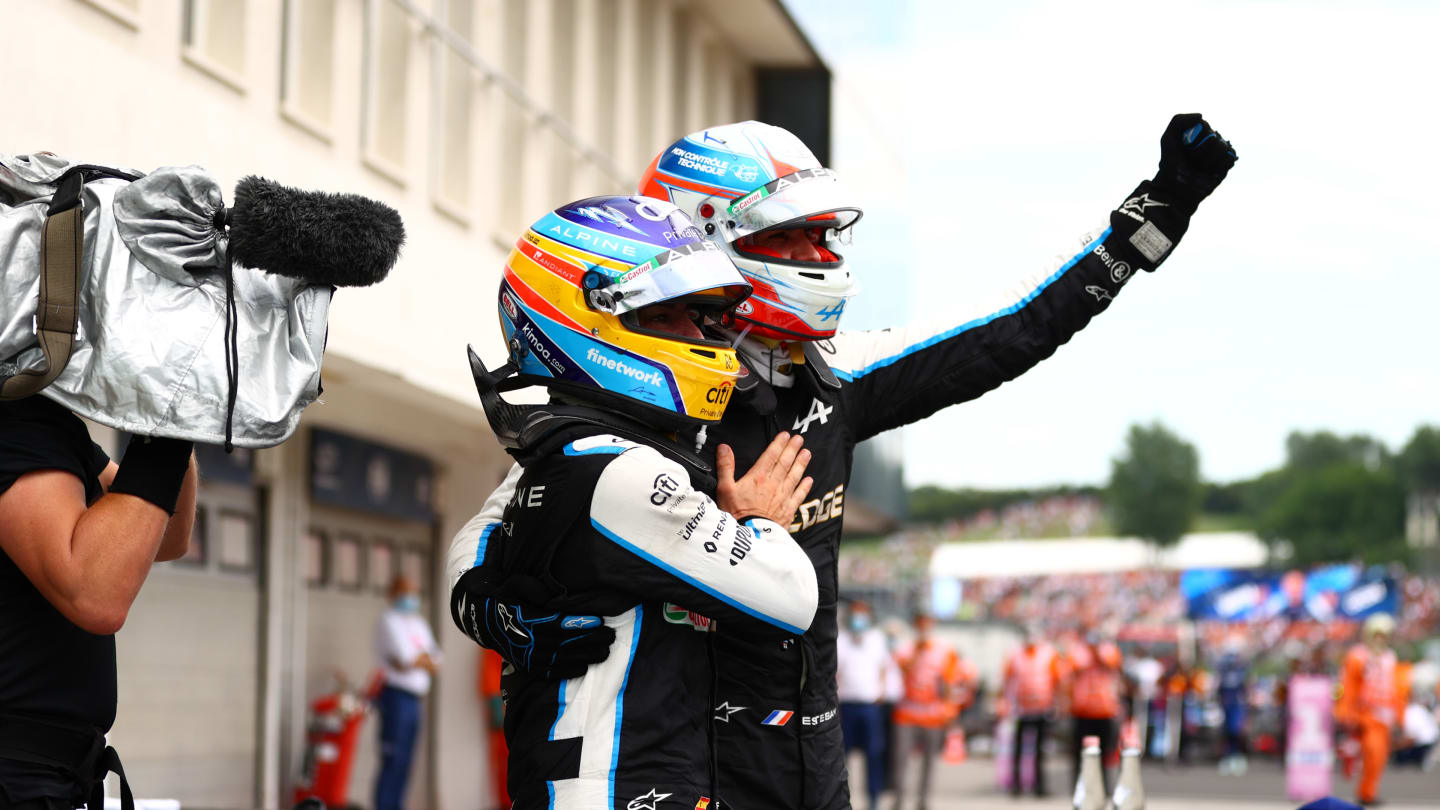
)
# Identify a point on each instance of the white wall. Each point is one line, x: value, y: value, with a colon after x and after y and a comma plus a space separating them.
x: 110, y: 81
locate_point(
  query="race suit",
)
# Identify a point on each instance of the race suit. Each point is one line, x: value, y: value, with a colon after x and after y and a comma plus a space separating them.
x: 776, y: 719
x: 616, y: 529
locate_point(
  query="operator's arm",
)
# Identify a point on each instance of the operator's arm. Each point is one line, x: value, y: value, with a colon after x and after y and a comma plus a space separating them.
x: 178, y: 531
x: 89, y: 563
x: 897, y: 376
x: 665, y: 540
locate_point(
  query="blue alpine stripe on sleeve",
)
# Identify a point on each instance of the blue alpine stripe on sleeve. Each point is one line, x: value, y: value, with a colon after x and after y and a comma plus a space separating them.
x: 851, y: 376
x: 620, y: 700
x: 483, y: 543
x: 614, y: 450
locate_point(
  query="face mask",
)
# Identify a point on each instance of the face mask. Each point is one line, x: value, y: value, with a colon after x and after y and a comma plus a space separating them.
x: 860, y: 622
x: 408, y: 603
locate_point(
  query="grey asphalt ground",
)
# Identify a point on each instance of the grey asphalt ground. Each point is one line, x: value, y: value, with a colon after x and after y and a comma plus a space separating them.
x: 971, y: 786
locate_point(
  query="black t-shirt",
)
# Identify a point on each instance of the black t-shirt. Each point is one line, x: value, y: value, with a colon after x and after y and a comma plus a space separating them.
x: 48, y: 666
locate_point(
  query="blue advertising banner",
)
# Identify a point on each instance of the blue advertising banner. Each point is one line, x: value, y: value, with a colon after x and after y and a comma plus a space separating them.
x: 1331, y: 592
x: 354, y: 473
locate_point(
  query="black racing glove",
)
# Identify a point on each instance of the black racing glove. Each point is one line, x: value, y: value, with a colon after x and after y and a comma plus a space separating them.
x: 1194, y: 159
x: 544, y: 643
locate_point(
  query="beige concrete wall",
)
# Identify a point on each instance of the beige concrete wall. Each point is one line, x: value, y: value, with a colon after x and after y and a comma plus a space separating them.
x: 216, y: 673
x: 187, y: 670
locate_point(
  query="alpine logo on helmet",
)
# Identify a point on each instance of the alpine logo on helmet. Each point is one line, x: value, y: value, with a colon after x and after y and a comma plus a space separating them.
x: 761, y: 195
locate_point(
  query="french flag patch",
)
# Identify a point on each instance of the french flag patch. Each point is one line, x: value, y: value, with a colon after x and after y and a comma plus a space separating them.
x: 777, y: 718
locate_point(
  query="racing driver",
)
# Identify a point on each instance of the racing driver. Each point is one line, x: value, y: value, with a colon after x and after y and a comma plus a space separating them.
x: 763, y: 198
x: 609, y: 520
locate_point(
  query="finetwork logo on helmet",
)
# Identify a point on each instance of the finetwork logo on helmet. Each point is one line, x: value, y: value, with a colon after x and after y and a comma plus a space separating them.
x: 619, y: 367
x: 606, y: 214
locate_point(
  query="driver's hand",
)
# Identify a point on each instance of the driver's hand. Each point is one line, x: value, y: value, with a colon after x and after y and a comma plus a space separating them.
x: 1194, y: 159
x: 773, y: 489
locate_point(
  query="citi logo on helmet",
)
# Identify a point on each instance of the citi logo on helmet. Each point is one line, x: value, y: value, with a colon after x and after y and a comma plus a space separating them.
x: 619, y: 366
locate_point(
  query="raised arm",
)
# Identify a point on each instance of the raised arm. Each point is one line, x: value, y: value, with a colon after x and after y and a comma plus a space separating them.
x: 897, y: 376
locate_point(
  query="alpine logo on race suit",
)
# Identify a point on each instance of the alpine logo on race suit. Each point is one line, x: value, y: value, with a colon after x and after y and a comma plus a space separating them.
x: 818, y: 410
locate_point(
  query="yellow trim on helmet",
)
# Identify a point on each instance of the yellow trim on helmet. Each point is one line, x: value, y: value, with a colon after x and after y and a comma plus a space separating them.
x: 704, y: 375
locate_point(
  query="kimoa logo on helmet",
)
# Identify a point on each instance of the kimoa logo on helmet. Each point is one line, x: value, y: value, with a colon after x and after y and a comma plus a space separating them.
x: 606, y: 214
x: 541, y: 349
x: 620, y: 367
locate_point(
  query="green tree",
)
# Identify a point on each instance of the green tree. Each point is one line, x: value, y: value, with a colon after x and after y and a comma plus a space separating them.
x: 1419, y: 462
x: 932, y: 504
x: 1315, y: 451
x: 1155, y: 487
x: 1340, y: 512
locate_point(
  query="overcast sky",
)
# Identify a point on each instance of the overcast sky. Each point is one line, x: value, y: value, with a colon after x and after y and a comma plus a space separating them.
x: 1307, y: 292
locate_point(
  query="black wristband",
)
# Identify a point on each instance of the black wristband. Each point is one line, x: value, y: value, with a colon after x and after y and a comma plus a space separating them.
x: 154, y: 470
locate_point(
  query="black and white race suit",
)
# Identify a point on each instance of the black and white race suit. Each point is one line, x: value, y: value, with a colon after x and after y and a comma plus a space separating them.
x: 616, y: 529
x: 777, y: 724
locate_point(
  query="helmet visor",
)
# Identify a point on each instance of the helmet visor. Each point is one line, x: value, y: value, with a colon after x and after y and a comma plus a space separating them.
x: 699, y: 269
x: 813, y: 195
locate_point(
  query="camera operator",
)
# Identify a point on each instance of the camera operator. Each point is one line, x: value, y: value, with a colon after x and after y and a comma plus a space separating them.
x: 78, y: 535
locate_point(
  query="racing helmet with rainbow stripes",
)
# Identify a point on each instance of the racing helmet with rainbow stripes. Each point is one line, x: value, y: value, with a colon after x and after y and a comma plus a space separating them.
x: 573, y: 301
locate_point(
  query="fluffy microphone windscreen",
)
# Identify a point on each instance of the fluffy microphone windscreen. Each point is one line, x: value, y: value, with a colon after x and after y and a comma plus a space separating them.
x: 340, y: 239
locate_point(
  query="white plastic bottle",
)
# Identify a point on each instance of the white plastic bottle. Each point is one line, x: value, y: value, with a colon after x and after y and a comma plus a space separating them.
x: 1129, y: 791
x: 1090, y: 789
